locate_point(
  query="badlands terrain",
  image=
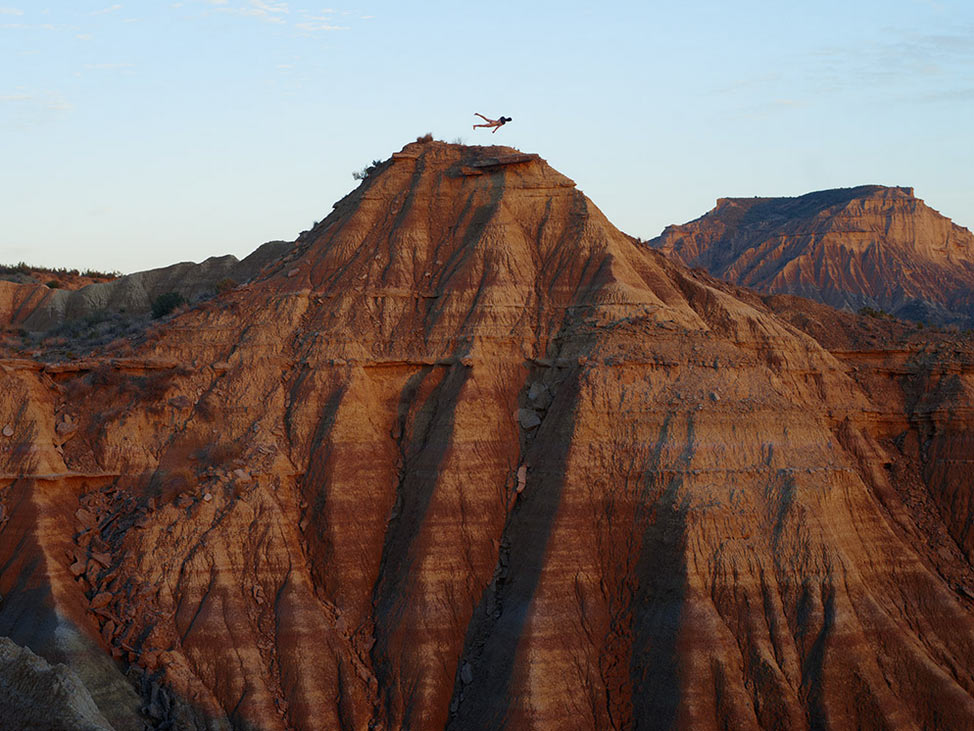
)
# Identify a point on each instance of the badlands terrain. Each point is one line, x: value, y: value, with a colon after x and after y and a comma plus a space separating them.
x: 465, y: 456
x: 867, y: 247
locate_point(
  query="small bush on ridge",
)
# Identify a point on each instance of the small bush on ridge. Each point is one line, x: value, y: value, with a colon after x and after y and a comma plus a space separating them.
x: 366, y: 171
x: 166, y: 303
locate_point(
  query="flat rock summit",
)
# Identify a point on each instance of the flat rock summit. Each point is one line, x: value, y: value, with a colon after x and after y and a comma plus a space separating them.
x: 867, y: 247
x: 465, y: 456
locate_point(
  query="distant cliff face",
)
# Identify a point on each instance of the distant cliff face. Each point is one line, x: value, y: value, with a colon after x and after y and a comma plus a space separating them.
x: 469, y: 457
x: 30, y: 305
x: 850, y: 248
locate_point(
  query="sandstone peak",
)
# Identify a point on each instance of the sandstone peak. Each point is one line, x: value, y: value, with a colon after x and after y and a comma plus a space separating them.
x: 468, y: 238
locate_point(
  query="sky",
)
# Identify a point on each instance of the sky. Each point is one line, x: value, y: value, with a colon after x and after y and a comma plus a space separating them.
x: 138, y: 134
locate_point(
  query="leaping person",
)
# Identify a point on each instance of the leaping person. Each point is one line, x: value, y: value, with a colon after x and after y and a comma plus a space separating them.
x: 495, y: 123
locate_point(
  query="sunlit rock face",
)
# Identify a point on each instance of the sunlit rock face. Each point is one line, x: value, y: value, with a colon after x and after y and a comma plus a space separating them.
x: 469, y: 457
x: 850, y: 248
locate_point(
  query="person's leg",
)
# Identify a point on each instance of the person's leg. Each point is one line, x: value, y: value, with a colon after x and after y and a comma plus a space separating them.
x: 483, y: 117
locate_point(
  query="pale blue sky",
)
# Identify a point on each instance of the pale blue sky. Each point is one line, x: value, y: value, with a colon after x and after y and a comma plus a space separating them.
x: 139, y: 134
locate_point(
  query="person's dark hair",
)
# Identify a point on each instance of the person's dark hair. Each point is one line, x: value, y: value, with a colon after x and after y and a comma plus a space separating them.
x: 506, y: 119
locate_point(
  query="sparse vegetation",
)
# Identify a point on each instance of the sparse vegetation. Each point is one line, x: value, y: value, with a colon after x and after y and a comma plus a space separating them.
x: 875, y: 313
x: 225, y: 285
x: 428, y: 137
x: 83, y: 335
x: 96, y: 274
x: 19, y: 268
x: 366, y: 171
x: 166, y: 303
x: 28, y: 270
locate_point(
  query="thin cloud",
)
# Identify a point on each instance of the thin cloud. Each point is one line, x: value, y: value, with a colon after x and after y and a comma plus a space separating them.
x: 11, y: 11
x: 264, y: 17
x: 901, y: 65
x: 27, y: 26
x: 907, y: 57
x: 28, y: 106
x: 105, y: 11
x: 280, y: 13
x: 269, y: 7
x: 318, y: 23
x: 268, y: 11
x: 318, y: 26
x: 107, y: 66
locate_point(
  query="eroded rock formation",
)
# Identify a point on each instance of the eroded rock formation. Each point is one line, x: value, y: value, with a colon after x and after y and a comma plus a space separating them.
x: 34, y: 695
x: 469, y: 457
x: 31, y: 305
x: 851, y: 248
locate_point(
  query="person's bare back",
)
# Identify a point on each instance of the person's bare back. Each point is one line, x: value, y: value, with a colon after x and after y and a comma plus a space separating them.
x: 495, y: 123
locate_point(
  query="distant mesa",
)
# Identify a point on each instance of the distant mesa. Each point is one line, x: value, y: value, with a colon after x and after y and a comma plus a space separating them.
x: 870, y: 246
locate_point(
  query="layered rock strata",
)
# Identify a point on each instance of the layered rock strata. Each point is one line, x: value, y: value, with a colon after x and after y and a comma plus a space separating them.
x: 921, y: 385
x: 469, y: 457
x: 850, y: 248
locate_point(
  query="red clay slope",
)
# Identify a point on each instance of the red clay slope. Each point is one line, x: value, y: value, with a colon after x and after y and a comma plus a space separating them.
x: 849, y: 248
x: 471, y: 458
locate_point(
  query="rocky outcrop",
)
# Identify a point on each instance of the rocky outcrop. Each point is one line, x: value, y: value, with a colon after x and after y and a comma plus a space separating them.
x: 34, y: 695
x: 851, y: 248
x: 33, y: 306
x: 469, y: 457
